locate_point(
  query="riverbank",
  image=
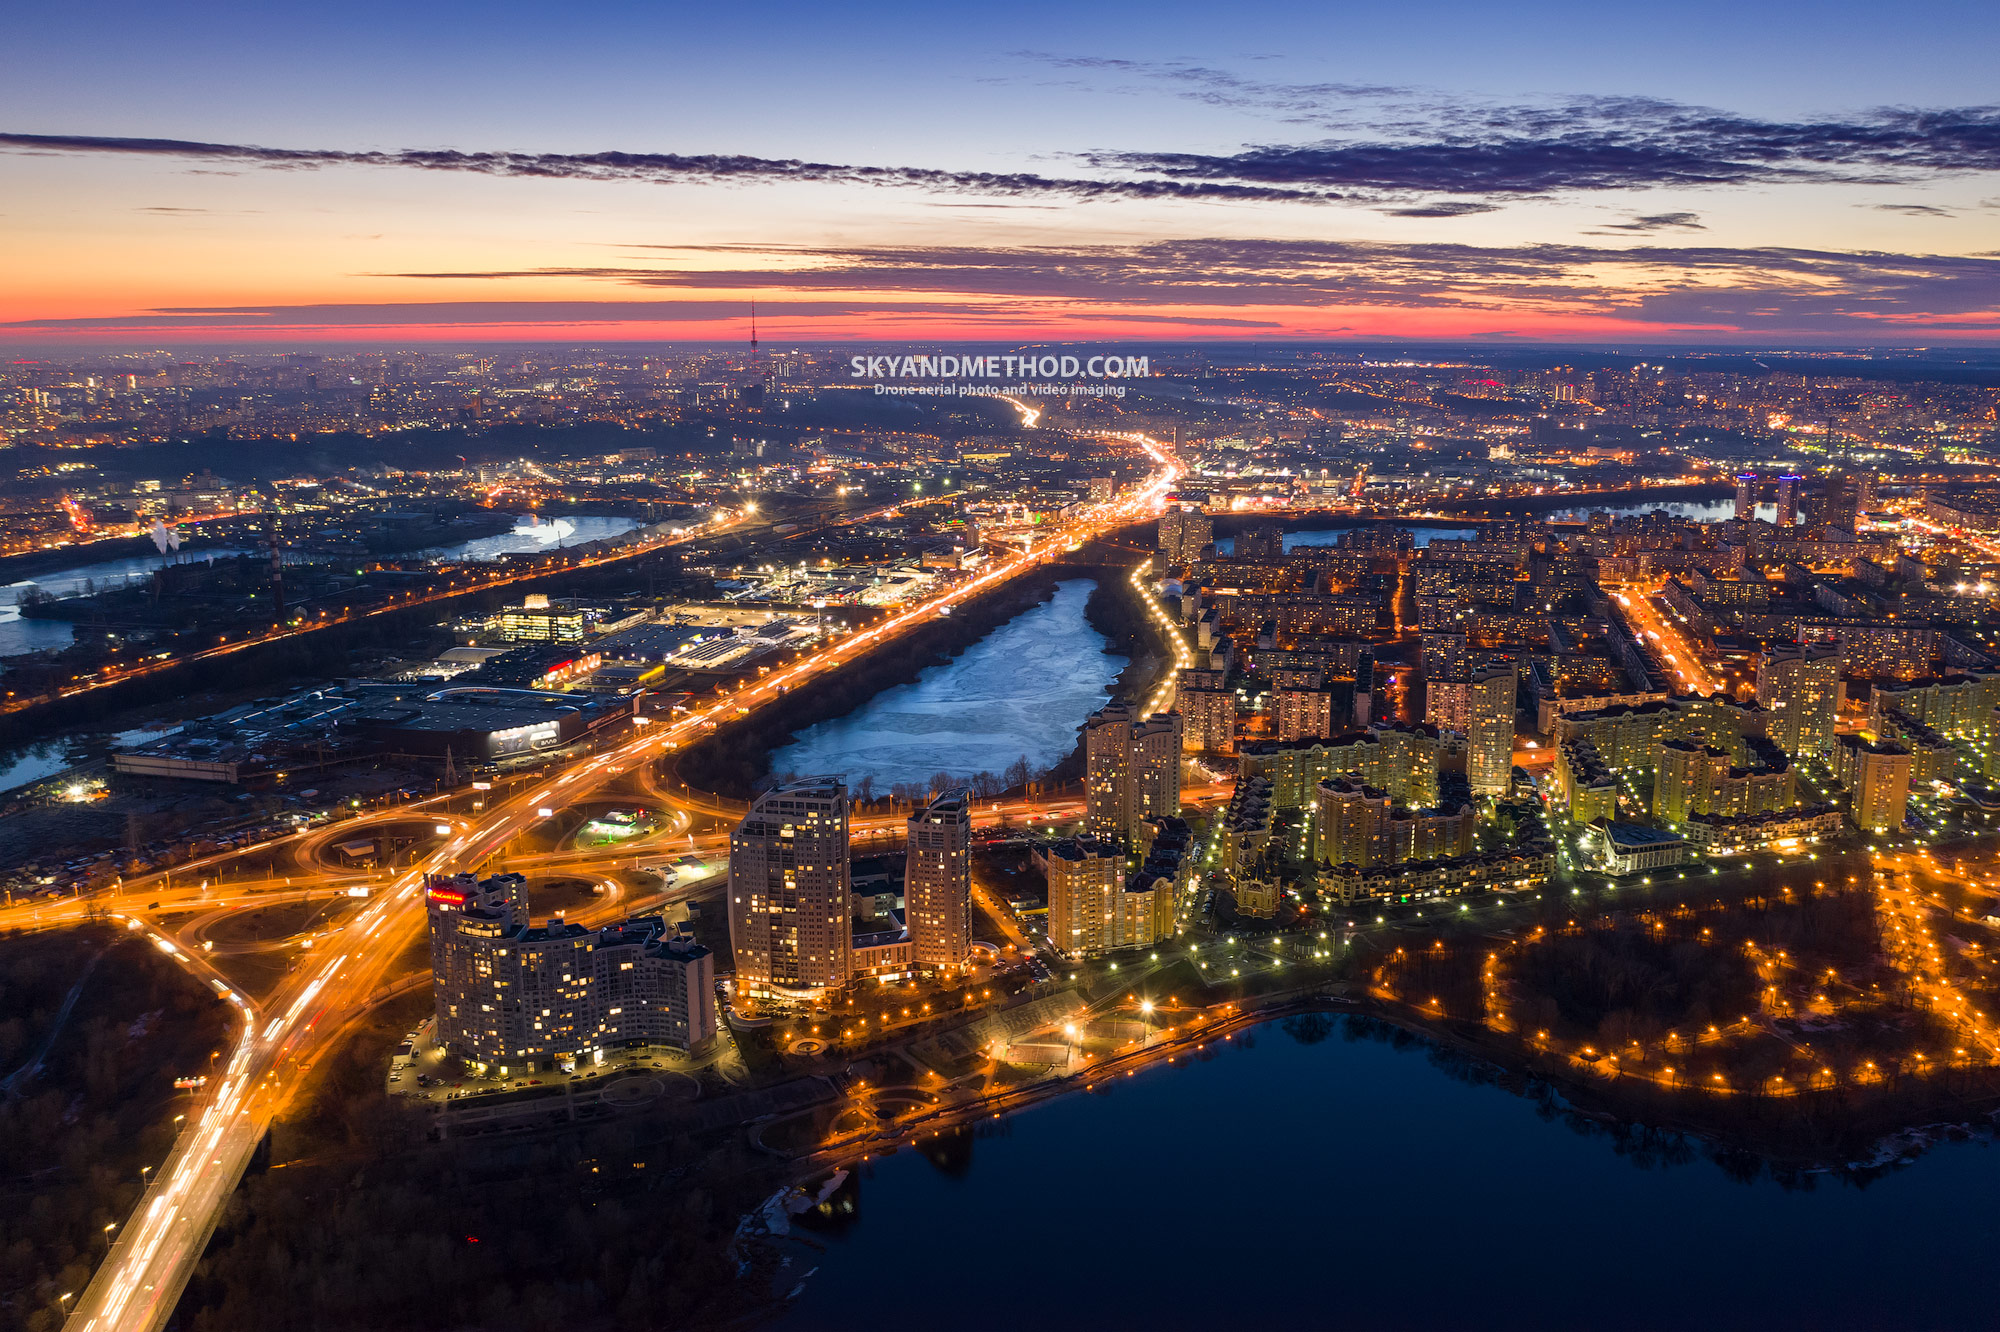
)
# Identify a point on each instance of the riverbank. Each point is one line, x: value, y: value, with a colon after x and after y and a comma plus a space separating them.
x: 1117, y: 611
x: 1475, y: 513
x: 733, y: 764
x: 1787, y: 1142
x: 29, y: 565
x: 1851, y: 1131
x: 312, y: 651
x: 734, y: 761
x: 1360, y: 1118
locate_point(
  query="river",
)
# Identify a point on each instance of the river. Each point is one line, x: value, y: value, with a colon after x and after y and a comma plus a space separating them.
x: 1700, y: 511
x: 528, y: 536
x: 18, y: 635
x: 1349, y: 1184
x: 1421, y: 535
x: 1023, y: 690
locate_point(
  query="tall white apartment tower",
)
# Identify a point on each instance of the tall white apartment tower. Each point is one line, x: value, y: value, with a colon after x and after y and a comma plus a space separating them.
x: 1489, y: 732
x: 937, y: 884
x: 1107, y: 748
x: 1801, y: 687
x: 1132, y: 768
x: 789, y: 914
x: 1156, y: 770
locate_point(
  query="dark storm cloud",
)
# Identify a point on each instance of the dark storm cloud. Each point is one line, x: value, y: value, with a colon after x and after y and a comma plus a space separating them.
x: 469, y: 313
x: 658, y: 168
x: 1600, y: 144
x: 1754, y: 292
x: 1429, y: 149
x: 1660, y: 222
x: 1765, y: 289
x: 1447, y: 208
x: 1204, y: 321
x: 1218, y: 87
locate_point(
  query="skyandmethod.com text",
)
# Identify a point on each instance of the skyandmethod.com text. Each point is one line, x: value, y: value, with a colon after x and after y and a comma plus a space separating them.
x: 999, y: 391
x: 998, y: 366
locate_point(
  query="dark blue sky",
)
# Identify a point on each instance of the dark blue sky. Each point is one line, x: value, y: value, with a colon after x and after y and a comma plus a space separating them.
x: 1626, y: 137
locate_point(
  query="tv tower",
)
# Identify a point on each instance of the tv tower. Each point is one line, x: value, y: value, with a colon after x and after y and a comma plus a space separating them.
x: 753, y: 389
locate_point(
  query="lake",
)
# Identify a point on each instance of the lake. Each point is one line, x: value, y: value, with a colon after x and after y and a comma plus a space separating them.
x: 1350, y: 1184
x: 1024, y: 689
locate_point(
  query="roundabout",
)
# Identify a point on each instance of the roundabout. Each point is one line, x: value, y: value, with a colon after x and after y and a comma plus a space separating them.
x: 627, y: 1093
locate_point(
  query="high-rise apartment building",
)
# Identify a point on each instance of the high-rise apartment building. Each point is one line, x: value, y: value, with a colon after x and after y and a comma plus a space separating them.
x: 1265, y: 541
x: 1156, y: 769
x: 1208, y: 711
x: 1878, y: 776
x: 1095, y: 907
x: 789, y: 915
x: 1686, y: 779
x: 1239, y: 836
x: 1801, y: 687
x: 1489, y: 732
x: 654, y: 986
x: 1843, y: 497
x: 1305, y: 712
x: 1085, y: 877
x: 511, y: 996
x: 1355, y: 824
x: 1183, y: 534
x: 1746, y: 495
x: 1448, y: 704
x: 1351, y: 824
x: 1409, y: 767
x: 1445, y: 656
x: 1132, y: 769
x: 1107, y: 750
x: 937, y: 884
x: 501, y: 900
x: 1788, y: 500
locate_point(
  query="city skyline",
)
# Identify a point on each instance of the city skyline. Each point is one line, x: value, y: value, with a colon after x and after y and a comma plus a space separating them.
x: 1698, y: 176
x: 628, y: 630
x: 1273, y: 695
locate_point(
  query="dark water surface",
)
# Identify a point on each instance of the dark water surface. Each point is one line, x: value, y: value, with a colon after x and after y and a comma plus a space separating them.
x: 1349, y: 1184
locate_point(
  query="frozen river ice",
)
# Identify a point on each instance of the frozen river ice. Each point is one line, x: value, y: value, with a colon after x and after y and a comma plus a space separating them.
x: 1021, y: 691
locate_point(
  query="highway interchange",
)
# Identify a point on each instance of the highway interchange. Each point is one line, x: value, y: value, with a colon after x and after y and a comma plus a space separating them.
x: 360, y: 958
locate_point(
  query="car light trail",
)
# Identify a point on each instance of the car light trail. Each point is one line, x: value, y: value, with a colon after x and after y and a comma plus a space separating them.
x: 138, y: 1284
